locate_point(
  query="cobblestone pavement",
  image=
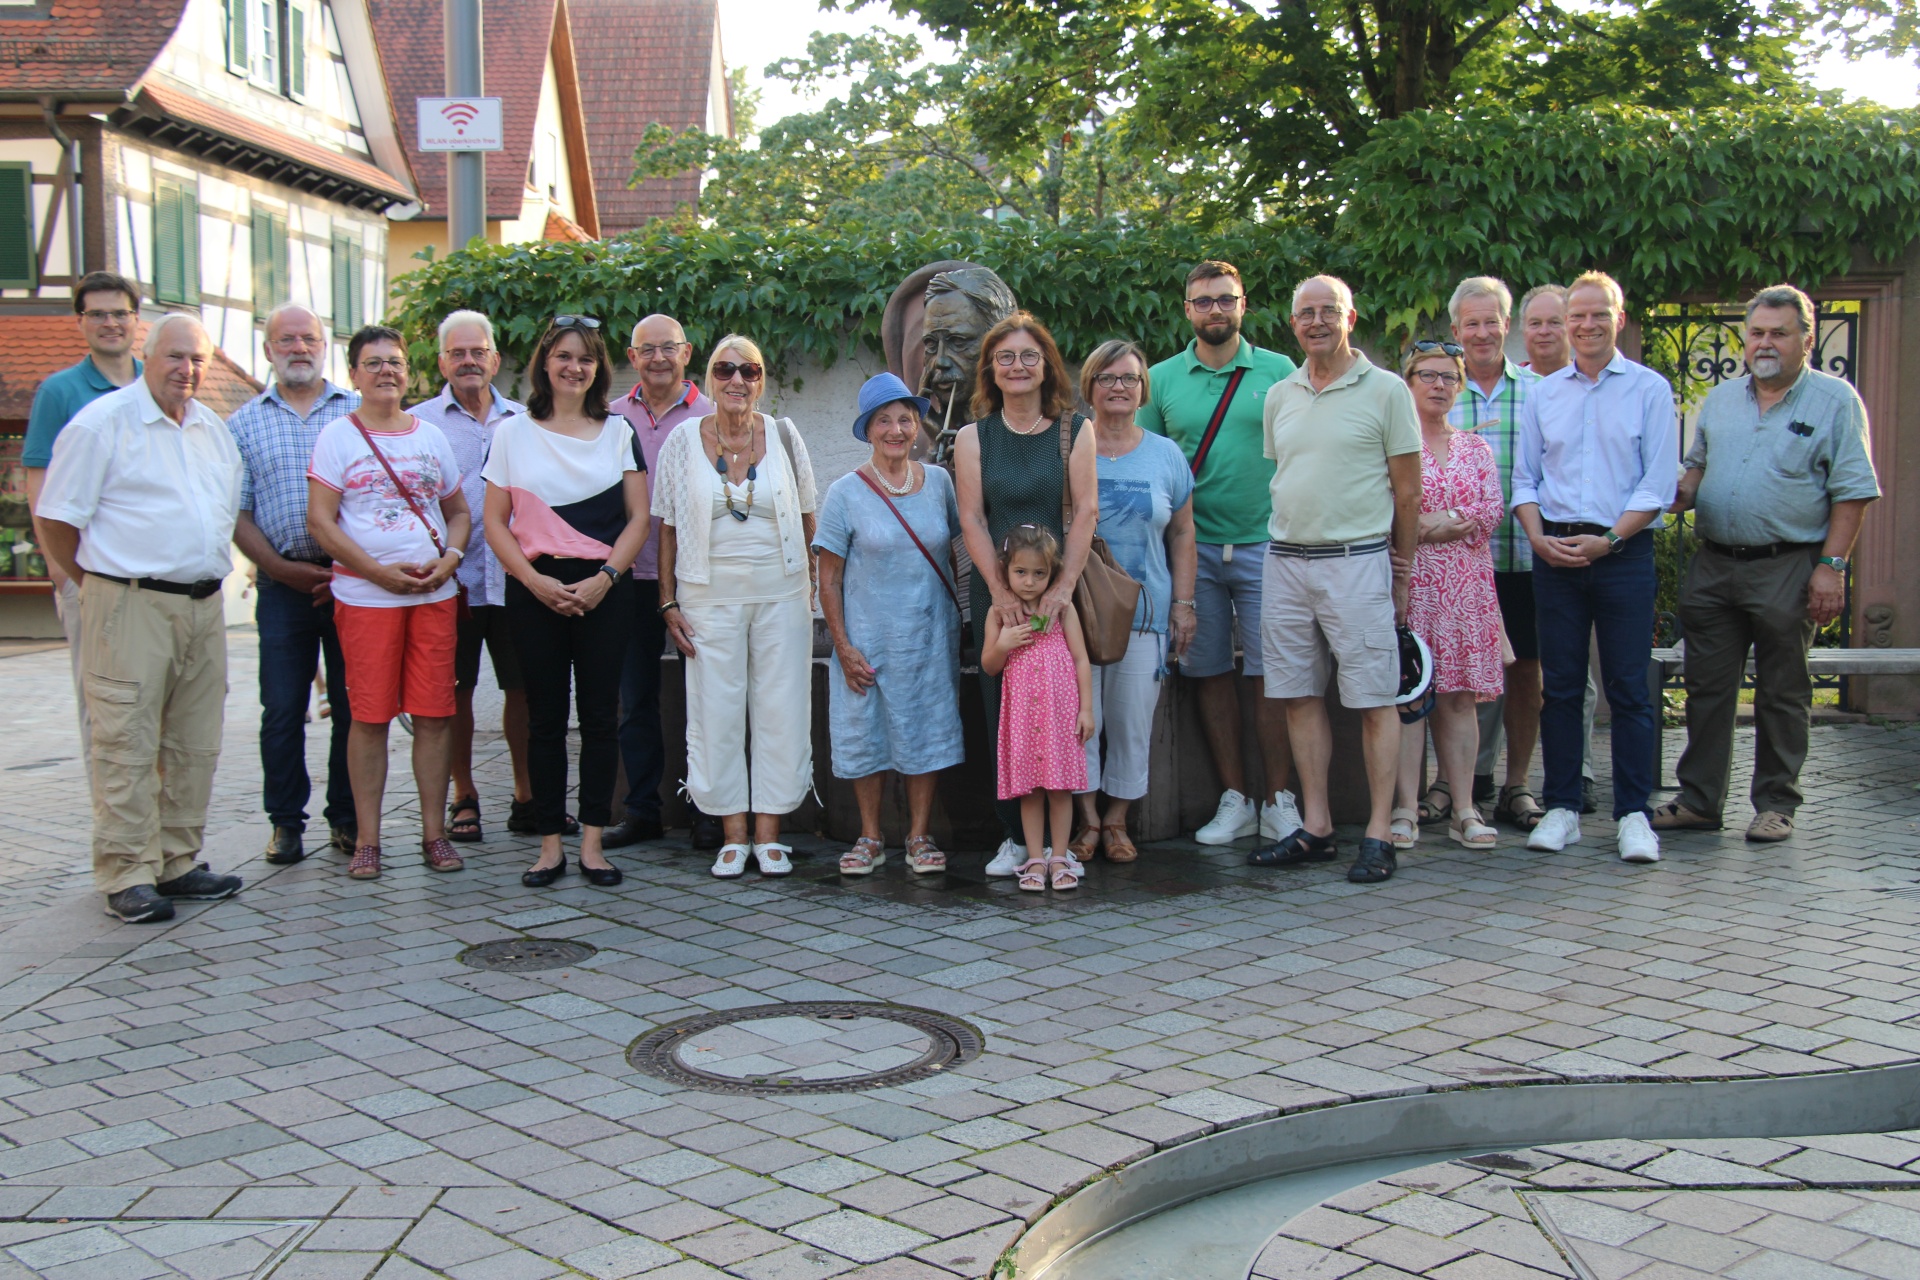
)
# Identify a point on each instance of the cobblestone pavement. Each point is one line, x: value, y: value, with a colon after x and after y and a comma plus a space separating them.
x: 1845, y: 1207
x: 311, y: 1062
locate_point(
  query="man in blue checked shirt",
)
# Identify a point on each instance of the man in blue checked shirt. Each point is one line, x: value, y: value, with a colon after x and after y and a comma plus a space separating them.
x: 1599, y: 459
x: 275, y: 432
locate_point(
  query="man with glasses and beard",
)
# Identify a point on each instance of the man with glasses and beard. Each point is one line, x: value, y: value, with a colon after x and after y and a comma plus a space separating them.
x: 1779, y: 479
x: 275, y: 432
x: 1208, y: 401
x: 662, y: 400
x: 467, y: 410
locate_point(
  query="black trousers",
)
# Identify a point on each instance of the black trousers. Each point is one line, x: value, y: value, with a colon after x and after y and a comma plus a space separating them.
x: 579, y: 657
x: 641, y: 746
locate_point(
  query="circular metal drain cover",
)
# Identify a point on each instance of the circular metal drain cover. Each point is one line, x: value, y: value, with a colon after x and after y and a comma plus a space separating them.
x: 525, y: 955
x: 810, y: 1047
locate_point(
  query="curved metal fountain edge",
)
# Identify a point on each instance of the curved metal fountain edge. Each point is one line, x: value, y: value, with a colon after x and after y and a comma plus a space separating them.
x: 1873, y: 1100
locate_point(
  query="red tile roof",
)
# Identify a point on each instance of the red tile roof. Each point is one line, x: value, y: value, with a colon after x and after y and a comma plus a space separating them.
x: 560, y: 227
x: 31, y: 347
x: 518, y: 37
x: 84, y: 48
x: 646, y: 61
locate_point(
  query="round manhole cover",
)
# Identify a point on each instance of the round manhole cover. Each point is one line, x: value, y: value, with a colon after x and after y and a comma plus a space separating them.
x: 815, y: 1047
x: 525, y: 955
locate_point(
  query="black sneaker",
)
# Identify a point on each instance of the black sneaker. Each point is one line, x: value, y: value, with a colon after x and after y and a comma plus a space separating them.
x: 1587, y: 803
x: 708, y: 834
x: 1375, y: 863
x: 1483, y: 792
x: 284, y: 847
x: 344, y: 840
x: 199, y: 885
x: 630, y: 830
x: 141, y: 904
x: 520, y: 821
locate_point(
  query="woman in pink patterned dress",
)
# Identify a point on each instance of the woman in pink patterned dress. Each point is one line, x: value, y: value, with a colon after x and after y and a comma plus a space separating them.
x: 1452, y: 606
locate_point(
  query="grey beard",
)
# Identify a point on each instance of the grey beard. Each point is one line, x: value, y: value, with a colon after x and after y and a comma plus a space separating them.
x: 1766, y: 366
x: 298, y: 377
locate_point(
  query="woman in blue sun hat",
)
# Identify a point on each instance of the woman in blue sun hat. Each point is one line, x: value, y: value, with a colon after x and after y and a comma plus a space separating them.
x: 885, y: 539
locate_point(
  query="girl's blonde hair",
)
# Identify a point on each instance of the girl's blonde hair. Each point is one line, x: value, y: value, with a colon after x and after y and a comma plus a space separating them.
x: 1036, y: 538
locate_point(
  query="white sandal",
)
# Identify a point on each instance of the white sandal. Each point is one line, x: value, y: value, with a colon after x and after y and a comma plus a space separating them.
x: 866, y: 854
x: 1404, y: 833
x: 731, y: 870
x: 1467, y: 829
x: 773, y: 859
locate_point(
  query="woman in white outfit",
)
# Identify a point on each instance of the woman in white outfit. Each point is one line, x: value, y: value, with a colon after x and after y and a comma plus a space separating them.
x: 735, y: 494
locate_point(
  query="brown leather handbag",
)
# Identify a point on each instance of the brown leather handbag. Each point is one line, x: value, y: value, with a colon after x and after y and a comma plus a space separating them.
x: 1105, y: 597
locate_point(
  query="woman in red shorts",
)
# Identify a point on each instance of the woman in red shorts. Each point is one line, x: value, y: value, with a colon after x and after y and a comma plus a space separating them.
x: 383, y: 499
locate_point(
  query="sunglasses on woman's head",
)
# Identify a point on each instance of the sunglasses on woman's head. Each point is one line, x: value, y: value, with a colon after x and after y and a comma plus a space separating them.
x: 1445, y: 348
x: 575, y: 322
x: 723, y: 371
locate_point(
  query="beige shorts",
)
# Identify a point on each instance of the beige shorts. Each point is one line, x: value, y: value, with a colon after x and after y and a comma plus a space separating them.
x: 1338, y: 607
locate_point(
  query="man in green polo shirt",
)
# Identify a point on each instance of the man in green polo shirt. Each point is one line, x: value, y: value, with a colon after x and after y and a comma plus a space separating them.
x: 1230, y: 507
x: 108, y: 307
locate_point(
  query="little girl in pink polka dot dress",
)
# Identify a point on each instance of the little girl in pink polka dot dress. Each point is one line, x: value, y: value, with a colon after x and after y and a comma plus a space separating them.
x: 1046, y: 699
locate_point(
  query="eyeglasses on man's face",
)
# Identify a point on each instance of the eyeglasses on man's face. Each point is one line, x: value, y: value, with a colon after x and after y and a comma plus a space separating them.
x: 468, y: 355
x: 104, y: 317
x: 1030, y: 358
x: 660, y: 350
x: 1219, y: 302
x: 1108, y: 381
x: 1327, y: 314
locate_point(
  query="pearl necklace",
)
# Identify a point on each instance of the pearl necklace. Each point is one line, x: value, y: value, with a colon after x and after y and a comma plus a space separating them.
x: 1027, y: 430
x: 903, y: 490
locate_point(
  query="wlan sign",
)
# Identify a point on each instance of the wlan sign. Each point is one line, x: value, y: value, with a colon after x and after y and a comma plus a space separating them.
x: 460, y: 124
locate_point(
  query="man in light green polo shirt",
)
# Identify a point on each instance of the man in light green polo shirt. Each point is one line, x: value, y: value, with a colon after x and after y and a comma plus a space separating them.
x: 1230, y: 506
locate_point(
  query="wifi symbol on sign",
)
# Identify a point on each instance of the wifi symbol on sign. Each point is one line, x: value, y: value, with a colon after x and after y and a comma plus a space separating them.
x: 460, y: 115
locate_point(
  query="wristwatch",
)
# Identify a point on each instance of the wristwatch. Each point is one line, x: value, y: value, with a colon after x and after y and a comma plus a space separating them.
x: 1836, y: 563
x: 1613, y: 539
x: 613, y: 574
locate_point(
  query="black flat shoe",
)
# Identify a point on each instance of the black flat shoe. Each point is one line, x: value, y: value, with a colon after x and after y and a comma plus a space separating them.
x: 708, y: 834
x: 1295, y: 850
x: 602, y: 877
x: 630, y: 830
x: 284, y: 847
x: 1375, y: 863
x: 541, y: 877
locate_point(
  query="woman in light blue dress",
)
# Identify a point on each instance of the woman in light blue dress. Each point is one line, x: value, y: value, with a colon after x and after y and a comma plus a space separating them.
x: 885, y: 539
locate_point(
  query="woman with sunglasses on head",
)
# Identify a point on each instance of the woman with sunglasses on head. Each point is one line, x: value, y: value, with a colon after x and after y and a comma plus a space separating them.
x: 1008, y: 472
x: 566, y: 513
x: 1451, y: 602
x: 735, y: 495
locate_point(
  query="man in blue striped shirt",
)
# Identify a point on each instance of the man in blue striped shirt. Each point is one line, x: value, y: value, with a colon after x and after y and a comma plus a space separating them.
x: 275, y: 432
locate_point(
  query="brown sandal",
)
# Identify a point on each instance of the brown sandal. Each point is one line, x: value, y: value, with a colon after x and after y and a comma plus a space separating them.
x: 1085, y: 843
x: 1119, y: 846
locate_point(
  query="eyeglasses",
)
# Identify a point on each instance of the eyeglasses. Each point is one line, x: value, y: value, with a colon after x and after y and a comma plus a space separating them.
x: 1332, y: 315
x: 1125, y: 381
x: 374, y: 364
x: 1029, y: 358
x: 656, y: 350
x: 1445, y: 377
x: 101, y: 317
x: 462, y: 355
x: 297, y: 341
x: 1225, y: 302
x: 724, y: 371
x: 575, y: 322
x: 1445, y: 348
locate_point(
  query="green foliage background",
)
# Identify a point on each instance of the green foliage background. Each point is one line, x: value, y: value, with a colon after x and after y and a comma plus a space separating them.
x: 1710, y: 202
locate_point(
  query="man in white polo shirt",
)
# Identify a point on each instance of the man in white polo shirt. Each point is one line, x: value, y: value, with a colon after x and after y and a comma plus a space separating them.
x: 138, y: 508
x: 1346, y: 488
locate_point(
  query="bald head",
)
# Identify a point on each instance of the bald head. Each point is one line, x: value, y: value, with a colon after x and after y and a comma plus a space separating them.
x: 296, y: 345
x: 178, y: 351
x: 659, y: 354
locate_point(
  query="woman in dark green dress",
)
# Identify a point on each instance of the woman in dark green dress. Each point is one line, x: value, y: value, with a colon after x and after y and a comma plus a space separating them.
x: 1007, y: 472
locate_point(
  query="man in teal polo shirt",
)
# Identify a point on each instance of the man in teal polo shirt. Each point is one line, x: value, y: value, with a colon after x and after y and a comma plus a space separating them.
x: 108, y: 307
x: 1224, y: 445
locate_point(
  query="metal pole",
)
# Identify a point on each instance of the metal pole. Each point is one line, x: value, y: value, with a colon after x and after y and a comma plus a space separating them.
x: 466, y: 170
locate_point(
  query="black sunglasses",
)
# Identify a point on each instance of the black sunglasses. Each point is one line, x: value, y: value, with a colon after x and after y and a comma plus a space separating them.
x: 1447, y: 348
x: 575, y: 322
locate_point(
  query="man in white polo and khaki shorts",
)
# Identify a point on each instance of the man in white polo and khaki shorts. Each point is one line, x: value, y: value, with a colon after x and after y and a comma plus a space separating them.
x: 1346, y: 503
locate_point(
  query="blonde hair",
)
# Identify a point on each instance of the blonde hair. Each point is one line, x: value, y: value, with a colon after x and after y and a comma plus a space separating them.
x: 745, y: 346
x: 1603, y: 282
x: 1106, y: 355
x: 1481, y: 287
x: 1415, y: 356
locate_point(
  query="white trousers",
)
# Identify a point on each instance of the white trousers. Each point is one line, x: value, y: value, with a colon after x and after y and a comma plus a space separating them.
x: 750, y: 681
x: 1125, y: 696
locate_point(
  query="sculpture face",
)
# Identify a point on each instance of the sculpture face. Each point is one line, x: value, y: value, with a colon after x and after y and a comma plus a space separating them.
x: 955, y: 324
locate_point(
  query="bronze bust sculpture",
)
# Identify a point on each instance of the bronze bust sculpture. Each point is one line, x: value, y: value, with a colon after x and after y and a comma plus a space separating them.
x: 931, y: 332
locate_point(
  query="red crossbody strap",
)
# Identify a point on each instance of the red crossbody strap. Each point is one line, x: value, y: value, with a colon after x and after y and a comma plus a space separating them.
x: 880, y: 493
x: 1219, y: 416
x: 386, y: 466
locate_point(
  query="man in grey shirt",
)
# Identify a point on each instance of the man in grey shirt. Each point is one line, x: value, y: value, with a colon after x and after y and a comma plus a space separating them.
x: 1779, y: 478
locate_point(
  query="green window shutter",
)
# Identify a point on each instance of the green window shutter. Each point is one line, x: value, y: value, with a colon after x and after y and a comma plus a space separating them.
x: 189, y: 246
x: 357, y: 294
x: 237, y: 36
x: 19, y: 255
x: 345, y: 317
x: 296, y: 49
x: 261, y: 226
x: 282, y: 279
x: 168, y: 282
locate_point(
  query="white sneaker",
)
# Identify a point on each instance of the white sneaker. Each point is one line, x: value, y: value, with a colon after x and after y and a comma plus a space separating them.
x: 1009, y: 860
x: 732, y: 861
x: 1560, y: 828
x: 1281, y: 818
x: 1637, y: 841
x: 1236, y: 817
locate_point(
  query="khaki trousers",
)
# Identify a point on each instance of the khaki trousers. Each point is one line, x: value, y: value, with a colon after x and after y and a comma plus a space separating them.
x: 155, y: 670
x: 66, y: 605
x: 1727, y: 605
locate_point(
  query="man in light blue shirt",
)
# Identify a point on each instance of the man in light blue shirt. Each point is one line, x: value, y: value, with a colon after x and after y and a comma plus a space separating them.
x: 1598, y: 462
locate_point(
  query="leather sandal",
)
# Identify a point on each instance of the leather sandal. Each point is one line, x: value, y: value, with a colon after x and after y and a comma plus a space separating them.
x: 1295, y: 850
x: 1085, y: 843
x: 1432, y: 813
x: 439, y: 855
x: 366, y: 863
x: 464, y: 830
x: 1467, y: 829
x: 1404, y: 832
x: 1118, y: 844
x: 1518, y: 806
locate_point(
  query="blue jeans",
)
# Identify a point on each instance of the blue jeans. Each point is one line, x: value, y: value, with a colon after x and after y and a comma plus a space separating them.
x: 641, y: 748
x: 1613, y: 599
x: 293, y: 636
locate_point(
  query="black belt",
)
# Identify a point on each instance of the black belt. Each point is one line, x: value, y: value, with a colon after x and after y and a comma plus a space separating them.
x: 197, y: 590
x: 1326, y: 550
x: 1567, y: 529
x: 1764, y: 552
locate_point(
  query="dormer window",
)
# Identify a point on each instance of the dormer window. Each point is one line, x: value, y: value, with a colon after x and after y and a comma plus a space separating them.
x: 267, y: 43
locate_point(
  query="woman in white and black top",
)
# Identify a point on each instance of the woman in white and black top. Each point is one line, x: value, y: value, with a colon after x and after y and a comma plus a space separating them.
x: 566, y: 513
